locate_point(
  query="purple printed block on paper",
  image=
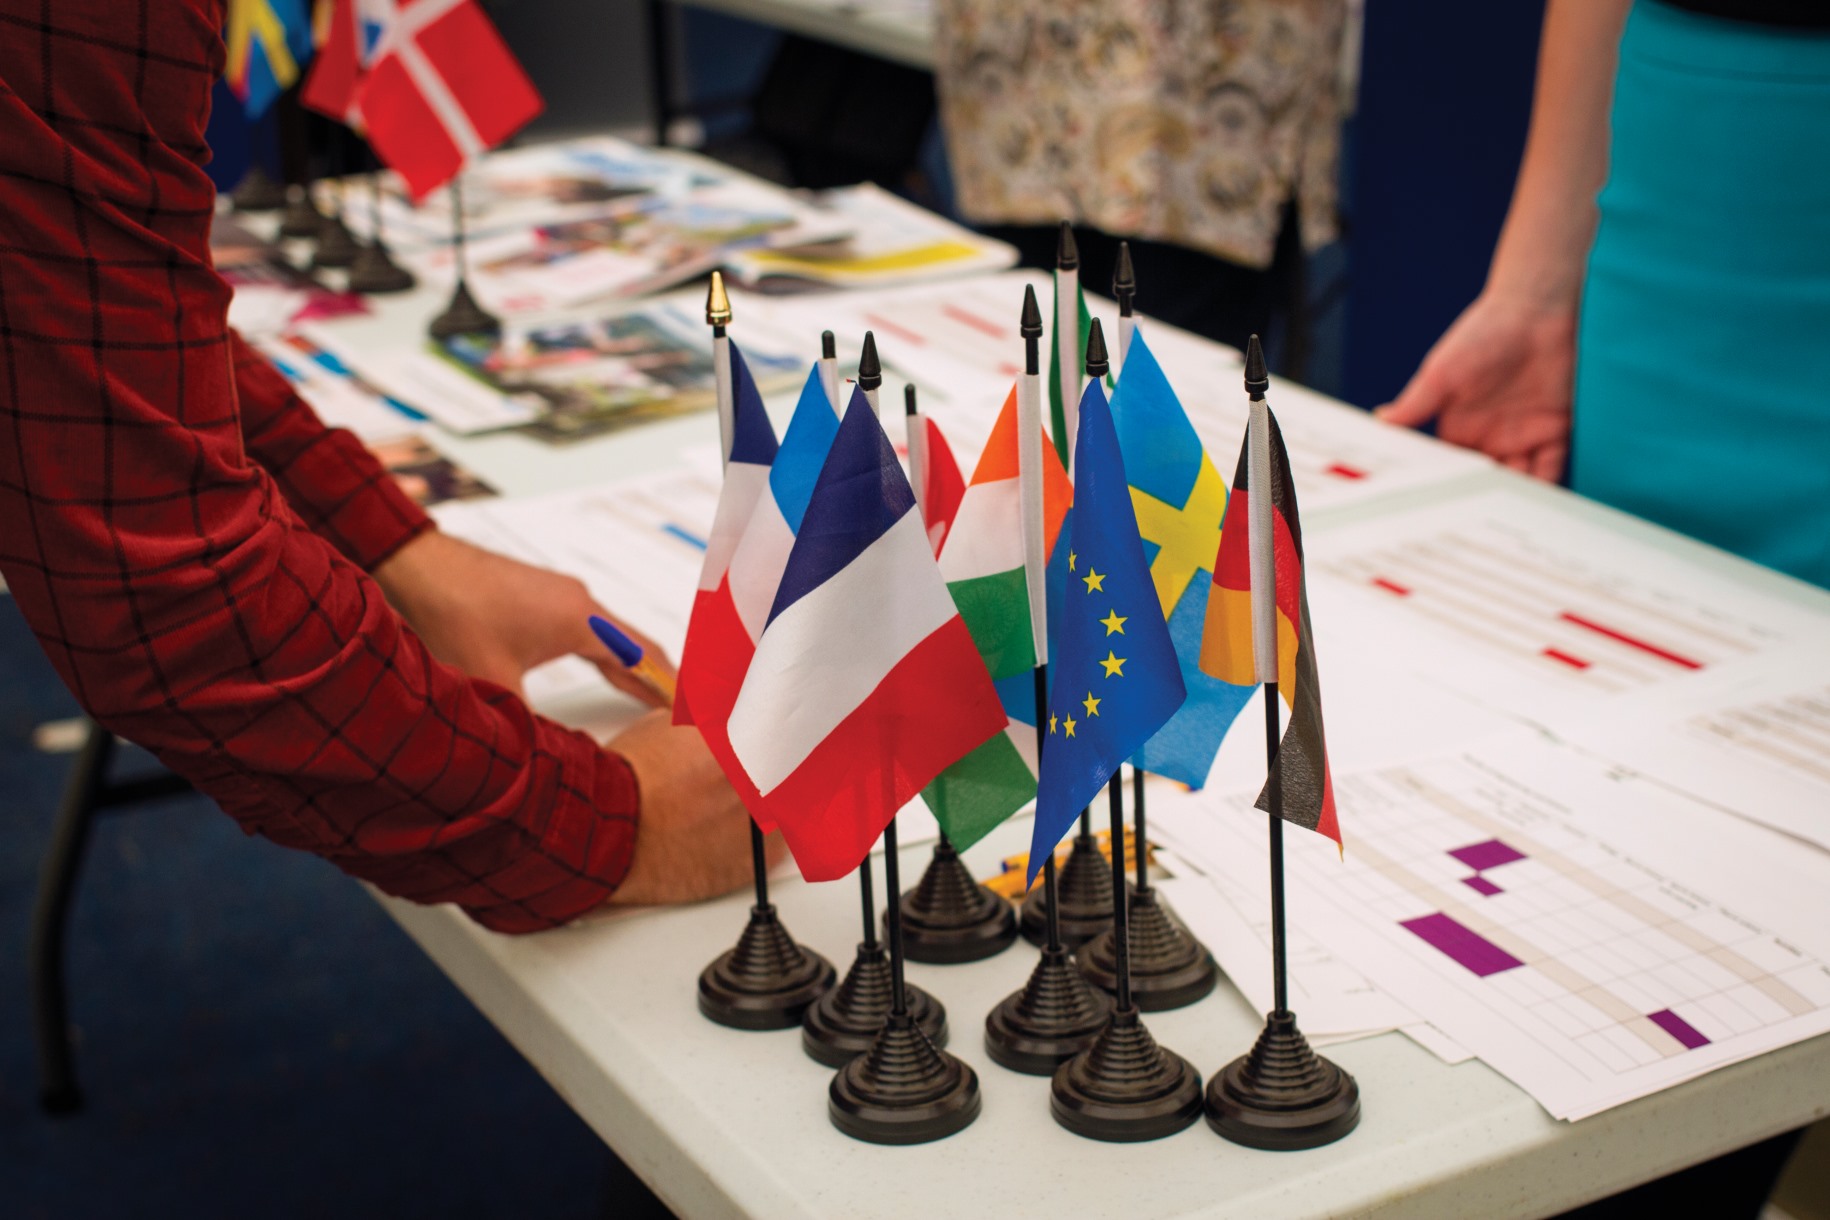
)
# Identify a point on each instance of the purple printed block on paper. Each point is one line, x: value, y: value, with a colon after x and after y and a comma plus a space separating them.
x: 1468, y: 947
x: 1678, y: 1028
x: 1491, y: 854
x: 1481, y: 886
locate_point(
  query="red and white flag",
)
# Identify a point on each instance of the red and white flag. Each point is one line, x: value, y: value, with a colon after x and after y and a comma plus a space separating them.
x: 431, y: 81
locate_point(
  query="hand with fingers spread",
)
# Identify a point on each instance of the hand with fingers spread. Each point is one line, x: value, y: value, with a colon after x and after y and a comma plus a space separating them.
x: 1500, y: 381
x: 496, y: 618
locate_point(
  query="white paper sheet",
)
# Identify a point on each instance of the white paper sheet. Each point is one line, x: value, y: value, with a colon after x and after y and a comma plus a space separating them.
x: 1754, y: 740
x: 1589, y: 934
x: 1532, y: 610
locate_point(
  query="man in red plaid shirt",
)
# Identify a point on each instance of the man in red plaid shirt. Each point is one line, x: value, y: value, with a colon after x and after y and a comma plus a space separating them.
x: 225, y: 581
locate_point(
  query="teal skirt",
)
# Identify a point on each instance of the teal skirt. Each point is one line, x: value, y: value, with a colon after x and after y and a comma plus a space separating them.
x: 1702, y: 396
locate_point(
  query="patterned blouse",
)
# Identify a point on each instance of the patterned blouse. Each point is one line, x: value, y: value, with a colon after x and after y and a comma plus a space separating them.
x: 1186, y: 121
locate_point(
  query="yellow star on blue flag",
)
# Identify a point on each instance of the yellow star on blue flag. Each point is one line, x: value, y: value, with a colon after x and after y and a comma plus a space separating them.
x: 1180, y: 499
x: 1115, y: 698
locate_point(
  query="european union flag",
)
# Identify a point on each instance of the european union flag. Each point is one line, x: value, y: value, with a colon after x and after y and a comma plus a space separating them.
x: 1114, y: 679
x: 1180, y: 499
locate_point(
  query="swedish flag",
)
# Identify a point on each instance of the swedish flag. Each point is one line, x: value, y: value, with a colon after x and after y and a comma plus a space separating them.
x: 1114, y: 678
x: 268, y: 42
x: 1180, y: 499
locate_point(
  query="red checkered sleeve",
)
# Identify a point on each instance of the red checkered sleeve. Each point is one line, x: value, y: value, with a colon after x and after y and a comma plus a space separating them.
x: 331, y: 481
x: 178, y: 593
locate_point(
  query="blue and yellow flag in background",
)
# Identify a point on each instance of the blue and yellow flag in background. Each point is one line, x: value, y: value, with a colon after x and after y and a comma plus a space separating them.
x: 1113, y: 675
x: 1180, y: 500
x: 268, y: 41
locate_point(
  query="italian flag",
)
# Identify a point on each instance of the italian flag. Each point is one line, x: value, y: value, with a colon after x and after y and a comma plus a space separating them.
x: 982, y: 563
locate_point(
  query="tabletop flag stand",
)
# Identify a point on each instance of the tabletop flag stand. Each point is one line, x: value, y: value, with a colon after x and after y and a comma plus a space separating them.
x: 257, y: 191
x: 1086, y: 880
x: 463, y: 316
x: 767, y: 981
x: 1180, y: 500
x: 1057, y: 1013
x: 336, y: 246
x: 947, y: 917
x: 865, y: 684
x: 844, y: 1022
x: 374, y: 272
x: 1281, y: 1095
x: 1123, y: 1087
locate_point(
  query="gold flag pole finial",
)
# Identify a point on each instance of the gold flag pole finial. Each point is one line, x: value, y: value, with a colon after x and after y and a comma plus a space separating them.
x: 717, y: 304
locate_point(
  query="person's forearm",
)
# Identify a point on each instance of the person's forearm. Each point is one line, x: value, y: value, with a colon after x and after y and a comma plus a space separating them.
x: 1544, y: 245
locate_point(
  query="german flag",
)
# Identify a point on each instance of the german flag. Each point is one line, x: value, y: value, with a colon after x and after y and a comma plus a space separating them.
x: 1298, y: 788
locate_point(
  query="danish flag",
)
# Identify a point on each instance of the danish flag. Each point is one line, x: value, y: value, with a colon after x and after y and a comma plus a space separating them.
x: 431, y: 81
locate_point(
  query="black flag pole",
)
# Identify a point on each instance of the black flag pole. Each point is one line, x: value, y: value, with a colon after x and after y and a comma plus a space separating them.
x: 375, y: 273
x: 903, y: 1089
x: 463, y: 315
x: 947, y: 917
x: 1169, y: 967
x: 1124, y: 1087
x: 843, y: 1023
x: 300, y: 217
x: 768, y: 980
x: 1057, y: 1013
x: 1084, y: 896
x: 1281, y: 1094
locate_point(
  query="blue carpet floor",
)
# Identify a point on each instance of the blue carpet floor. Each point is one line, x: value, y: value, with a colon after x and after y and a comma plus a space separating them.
x: 256, y: 1038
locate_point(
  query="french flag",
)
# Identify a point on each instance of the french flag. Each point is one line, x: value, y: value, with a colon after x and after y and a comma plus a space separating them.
x: 865, y: 684
x: 766, y: 490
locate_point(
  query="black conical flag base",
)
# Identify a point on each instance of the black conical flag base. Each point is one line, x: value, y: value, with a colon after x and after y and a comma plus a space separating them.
x: 1055, y: 1017
x: 301, y: 217
x: 1125, y: 1088
x: 464, y: 317
x: 767, y: 981
x: 844, y: 1023
x: 903, y: 1090
x: 948, y: 917
x: 375, y: 273
x: 1169, y: 967
x: 1282, y: 1096
x: 336, y: 246
x: 258, y: 192
x: 1086, y: 898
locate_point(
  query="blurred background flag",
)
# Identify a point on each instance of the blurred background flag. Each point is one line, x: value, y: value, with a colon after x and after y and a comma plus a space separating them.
x: 1258, y: 615
x: 346, y: 33
x: 983, y: 567
x: 440, y: 87
x: 1113, y: 675
x: 865, y: 684
x: 268, y: 43
x: 1179, y: 499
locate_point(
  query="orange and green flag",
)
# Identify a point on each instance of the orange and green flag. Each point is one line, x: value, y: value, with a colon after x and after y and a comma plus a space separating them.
x: 983, y: 562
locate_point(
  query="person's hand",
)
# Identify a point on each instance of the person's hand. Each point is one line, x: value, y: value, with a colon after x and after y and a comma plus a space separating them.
x: 1500, y: 381
x: 694, y: 838
x: 496, y: 618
